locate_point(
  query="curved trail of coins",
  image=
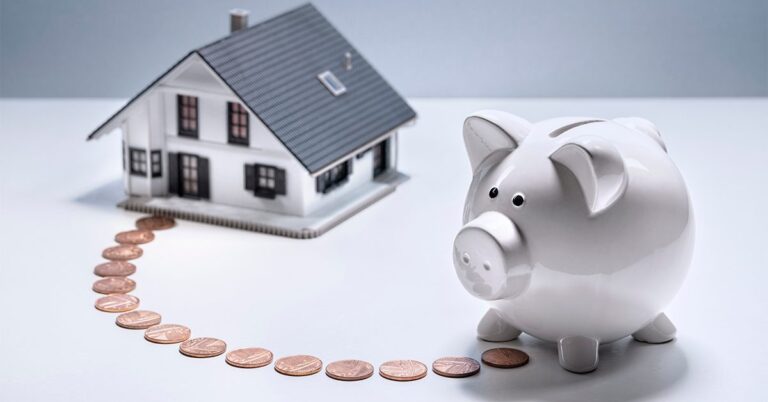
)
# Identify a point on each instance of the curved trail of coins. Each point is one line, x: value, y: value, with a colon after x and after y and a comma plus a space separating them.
x: 116, y: 286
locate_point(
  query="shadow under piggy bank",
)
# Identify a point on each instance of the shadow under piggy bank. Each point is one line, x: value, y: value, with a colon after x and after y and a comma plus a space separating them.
x: 628, y: 370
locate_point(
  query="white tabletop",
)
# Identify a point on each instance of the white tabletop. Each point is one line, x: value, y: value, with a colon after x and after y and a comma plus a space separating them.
x: 380, y: 286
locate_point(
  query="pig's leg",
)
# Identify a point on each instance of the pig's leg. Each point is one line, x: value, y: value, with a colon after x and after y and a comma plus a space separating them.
x: 578, y: 354
x: 660, y: 330
x: 494, y: 328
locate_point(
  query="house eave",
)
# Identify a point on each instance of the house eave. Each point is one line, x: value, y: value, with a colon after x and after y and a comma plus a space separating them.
x: 361, y: 148
x: 107, y: 125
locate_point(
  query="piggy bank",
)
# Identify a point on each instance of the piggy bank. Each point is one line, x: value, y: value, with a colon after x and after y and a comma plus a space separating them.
x: 577, y: 231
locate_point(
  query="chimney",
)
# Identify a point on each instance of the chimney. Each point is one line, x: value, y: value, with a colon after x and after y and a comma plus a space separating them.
x: 238, y: 19
x: 348, y: 61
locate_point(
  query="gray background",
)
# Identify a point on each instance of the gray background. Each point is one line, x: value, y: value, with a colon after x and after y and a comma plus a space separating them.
x: 90, y: 48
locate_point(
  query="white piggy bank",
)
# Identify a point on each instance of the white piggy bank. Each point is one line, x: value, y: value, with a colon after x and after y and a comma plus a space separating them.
x: 578, y: 231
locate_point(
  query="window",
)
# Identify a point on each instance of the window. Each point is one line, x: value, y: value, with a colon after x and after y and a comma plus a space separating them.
x: 189, y: 175
x: 332, y: 83
x: 157, y: 163
x: 187, y: 119
x: 138, y: 161
x: 334, y: 177
x: 264, y: 180
x: 238, y: 124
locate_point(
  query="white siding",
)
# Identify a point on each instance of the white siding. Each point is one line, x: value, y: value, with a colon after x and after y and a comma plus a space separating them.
x: 156, y: 114
x: 137, y: 136
x: 362, y: 172
x: 227, y: 178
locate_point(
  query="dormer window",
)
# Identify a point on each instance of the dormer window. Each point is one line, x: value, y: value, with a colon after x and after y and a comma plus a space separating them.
x: 332, y: 83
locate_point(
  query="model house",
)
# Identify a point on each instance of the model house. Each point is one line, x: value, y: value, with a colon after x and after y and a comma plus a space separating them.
x: 281, y: 127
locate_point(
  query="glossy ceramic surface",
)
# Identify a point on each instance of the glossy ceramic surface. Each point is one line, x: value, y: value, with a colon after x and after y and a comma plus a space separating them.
x: 574, y: 227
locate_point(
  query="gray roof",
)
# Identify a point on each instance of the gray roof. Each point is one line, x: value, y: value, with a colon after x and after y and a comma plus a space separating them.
x: 273, y: 66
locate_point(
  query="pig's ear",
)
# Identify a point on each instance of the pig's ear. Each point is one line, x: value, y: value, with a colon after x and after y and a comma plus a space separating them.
x: 598, y: 168
x: 642, y: 126
x: 488, y: 131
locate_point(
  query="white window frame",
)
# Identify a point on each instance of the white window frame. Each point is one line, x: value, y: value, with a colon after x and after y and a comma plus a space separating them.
x: 332, y: 83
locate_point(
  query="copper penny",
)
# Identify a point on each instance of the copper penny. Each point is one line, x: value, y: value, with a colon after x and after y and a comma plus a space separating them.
x: 122, y: 252
x: 117, y: 303
x: 249, y: 357
x: 349, y: 370
x: 155, y: 223
x: 114, y: 284
x: 203, y: 347
x: 138, y: 319
x: 299, y: 365
x: 456, y: 367
x: 135, y: 237
x: 403, y: 370
x: 505, y: 357
x: 115, y: 268
x: 167, y: 333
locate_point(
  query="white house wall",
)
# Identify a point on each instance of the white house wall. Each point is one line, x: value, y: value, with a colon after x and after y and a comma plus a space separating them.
x: 362, y: 172
x: 155, y: 112
x: 227, y: 177
x: 227, y: 161
x: 136, y: 136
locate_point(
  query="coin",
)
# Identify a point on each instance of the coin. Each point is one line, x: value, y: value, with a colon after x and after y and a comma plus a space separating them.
x: 122, y: 252
x: 249, y: 357
x: 203, y: 347
x: 167, y: 333
x: 155, y: 223
x: 135, y: 237
x: 115, y: 268
x: 403, y: 370
x: 456, y: 367
x: 114, y: 284
x: 349, y: 370
x: 117, y: 303
x: 138, y: 319
x: 505, y: 357
x: 299, y: 365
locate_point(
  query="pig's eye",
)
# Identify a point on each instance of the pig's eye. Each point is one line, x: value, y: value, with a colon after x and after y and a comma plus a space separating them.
x: 494, y: 192
x: 518, y: 200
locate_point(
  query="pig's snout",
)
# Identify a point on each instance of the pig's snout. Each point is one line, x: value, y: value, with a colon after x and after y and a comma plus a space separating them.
x: 490, y: 257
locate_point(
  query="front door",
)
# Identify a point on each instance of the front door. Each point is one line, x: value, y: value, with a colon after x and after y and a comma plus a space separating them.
x: 191, y: 178
x: 380, y: 157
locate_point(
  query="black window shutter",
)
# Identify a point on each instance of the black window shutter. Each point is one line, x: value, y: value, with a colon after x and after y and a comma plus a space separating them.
x: 280, y: 181
x: 320, y: 183
x: 229, y: 121
x: 173, y: 173
x: 250, y: 177
x: 203, y: 177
